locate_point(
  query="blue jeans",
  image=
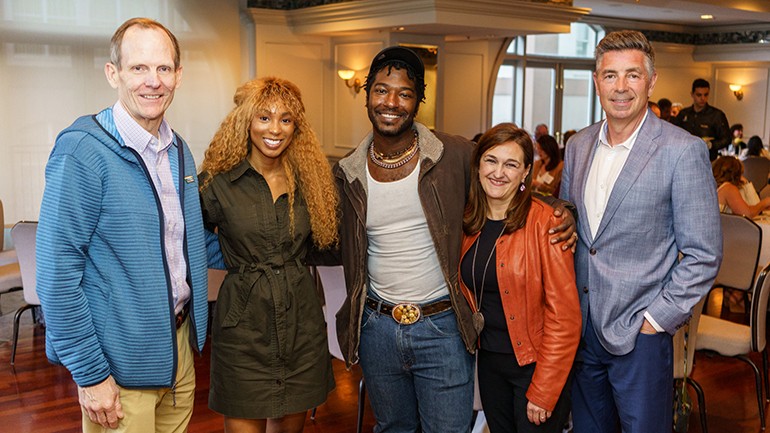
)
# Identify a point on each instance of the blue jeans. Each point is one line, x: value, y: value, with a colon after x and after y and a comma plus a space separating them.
x: 419, y: 377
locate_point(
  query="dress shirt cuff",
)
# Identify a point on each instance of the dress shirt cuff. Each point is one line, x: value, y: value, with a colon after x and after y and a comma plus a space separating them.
x: 653, y: 322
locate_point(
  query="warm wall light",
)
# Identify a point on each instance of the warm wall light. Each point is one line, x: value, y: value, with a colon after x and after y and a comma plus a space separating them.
x: 347, y: 75
x: 736, y: 88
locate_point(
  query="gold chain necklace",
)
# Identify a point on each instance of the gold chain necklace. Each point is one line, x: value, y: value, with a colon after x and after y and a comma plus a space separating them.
x: 401, y: 158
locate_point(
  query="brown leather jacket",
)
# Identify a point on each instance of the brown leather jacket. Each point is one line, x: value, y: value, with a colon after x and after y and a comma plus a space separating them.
x: 443, y: 189
x: 540, y: 301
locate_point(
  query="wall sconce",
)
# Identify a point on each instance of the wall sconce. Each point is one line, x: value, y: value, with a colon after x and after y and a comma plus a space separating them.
x: 347, y: 74
x: 736, y: 88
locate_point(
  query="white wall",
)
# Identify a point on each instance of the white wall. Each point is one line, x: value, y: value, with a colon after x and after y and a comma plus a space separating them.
x: 676, y: 72
x: 52, y: 56
x: 751, y: 112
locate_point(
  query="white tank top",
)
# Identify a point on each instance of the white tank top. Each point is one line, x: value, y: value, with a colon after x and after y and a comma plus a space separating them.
x: 402, y: 261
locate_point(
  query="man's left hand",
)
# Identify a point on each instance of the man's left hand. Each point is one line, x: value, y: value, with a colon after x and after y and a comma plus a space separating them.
x: 647, y: 328
x: 566, y: 231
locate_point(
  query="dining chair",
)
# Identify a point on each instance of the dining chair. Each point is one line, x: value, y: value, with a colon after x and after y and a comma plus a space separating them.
x: 736, y: 340
x: 7, y: 256
x: 332, y: 280
x: 679, y: 359
x: 10, y: 278
x: 764, y: 192
x: 741, y: 245
x: 756, y: 169
x: 23, y: 234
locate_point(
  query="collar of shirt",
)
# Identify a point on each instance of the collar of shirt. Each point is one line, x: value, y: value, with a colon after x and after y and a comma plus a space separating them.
x: 240, y: 169
x: 629, y: 143
x: 136, y: 137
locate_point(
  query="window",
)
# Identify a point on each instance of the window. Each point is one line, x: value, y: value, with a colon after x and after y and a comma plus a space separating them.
x: 548, y: 79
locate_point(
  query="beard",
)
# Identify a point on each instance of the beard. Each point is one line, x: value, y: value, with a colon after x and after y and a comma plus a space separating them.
x: 391, y: 130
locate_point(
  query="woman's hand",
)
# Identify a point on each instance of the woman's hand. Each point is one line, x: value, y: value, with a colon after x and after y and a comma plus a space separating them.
x: 566, y: 231
x: 536, y: 414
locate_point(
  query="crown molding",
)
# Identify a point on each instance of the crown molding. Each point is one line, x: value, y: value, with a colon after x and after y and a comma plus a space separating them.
x: 449, y: 18
x: 758, y: 52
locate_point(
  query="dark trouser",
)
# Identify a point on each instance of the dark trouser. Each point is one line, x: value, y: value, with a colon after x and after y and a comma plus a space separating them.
x: 503, y: 385
x: 634, y: 390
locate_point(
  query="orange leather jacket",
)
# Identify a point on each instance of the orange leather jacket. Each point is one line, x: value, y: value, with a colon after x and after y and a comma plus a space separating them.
x: 540, y: 301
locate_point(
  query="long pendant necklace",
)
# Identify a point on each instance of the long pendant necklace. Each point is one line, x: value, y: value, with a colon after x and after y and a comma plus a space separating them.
x: 478, y: 317
x: 394, y: 160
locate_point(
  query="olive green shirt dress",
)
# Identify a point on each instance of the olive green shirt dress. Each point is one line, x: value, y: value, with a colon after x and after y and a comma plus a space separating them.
x: 269, y: 355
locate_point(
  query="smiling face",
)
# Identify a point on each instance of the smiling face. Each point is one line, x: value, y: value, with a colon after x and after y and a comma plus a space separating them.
x: 146, y: 78
x: 271, y: 131
x: 501, y: 172
x: 392, y: 103
x: 624, y: 85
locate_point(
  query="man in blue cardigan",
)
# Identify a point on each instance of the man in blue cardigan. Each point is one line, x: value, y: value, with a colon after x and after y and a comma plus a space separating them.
x: 121, y: 258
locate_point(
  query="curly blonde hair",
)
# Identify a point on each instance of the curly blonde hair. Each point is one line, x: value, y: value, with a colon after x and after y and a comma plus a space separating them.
x: 304, y: 163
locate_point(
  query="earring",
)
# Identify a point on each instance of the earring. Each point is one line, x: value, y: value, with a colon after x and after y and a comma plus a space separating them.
x: 522, y: 187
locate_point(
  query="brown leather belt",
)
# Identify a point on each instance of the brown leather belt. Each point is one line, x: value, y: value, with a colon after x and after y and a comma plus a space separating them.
x: 182, y: 315
x: 407, y: 313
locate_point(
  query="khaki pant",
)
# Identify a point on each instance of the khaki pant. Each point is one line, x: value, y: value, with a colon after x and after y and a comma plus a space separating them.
x: 154, y: 410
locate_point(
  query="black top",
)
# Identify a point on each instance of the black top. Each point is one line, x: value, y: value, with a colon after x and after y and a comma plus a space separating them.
x: 494, y: 337
x: 709, y: 122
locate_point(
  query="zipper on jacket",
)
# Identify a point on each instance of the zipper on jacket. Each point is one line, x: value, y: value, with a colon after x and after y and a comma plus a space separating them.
x: 170, y: 293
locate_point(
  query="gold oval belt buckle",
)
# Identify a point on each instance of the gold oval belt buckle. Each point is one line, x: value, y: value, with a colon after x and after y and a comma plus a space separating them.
x: 406, y: 314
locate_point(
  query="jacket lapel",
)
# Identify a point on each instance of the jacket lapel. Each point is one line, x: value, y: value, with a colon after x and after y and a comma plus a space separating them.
x: 644, y: 148
x: 583, y: 162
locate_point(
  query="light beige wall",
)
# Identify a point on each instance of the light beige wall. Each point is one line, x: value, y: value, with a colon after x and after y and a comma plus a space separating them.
x: 752, y: 110
x: 303, y: 60
x: 51, y: 72
x: 467, y: 68
x: 677, y: 68
x: 351, y: 123
x: 676, y: 72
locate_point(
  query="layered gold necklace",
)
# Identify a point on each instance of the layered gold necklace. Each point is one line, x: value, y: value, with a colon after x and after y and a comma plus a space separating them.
x: 393, y: 160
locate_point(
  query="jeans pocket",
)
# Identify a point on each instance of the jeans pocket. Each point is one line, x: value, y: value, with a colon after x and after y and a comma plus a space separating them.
x: 368, y: 316
x: 443, y: 324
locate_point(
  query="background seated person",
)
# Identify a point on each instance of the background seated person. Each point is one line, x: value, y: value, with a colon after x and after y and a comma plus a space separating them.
x: 728, y: 173
x: 546, y: 172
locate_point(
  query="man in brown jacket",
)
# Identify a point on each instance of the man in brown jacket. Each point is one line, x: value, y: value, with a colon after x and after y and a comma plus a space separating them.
x: 402, y: 192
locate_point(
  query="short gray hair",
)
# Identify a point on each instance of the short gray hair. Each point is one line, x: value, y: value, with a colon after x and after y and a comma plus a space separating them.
x: 627, y: 40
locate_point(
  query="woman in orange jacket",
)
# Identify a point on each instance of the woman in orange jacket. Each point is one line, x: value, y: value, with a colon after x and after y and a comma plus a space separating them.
x: 521, y: 289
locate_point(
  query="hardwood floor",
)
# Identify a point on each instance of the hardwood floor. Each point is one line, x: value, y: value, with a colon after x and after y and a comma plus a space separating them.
x: 36, y: 396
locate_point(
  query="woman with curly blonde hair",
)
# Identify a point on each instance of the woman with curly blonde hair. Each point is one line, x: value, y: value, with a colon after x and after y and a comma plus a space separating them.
x: 267, y: 190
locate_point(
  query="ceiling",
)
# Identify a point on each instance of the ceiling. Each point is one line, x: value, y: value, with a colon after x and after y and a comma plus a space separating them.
x: 749, y: 13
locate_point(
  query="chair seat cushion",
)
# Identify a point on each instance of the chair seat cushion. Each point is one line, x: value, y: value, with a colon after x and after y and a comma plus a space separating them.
x: 722, y: 336
x: 8, y: 257
x: 10, y: 277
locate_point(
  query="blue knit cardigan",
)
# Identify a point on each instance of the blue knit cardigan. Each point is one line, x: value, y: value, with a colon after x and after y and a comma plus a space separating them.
x: 102, y: 277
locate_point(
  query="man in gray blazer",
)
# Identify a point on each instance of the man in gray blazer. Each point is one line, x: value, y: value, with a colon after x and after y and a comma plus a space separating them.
x: 644, y: 193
